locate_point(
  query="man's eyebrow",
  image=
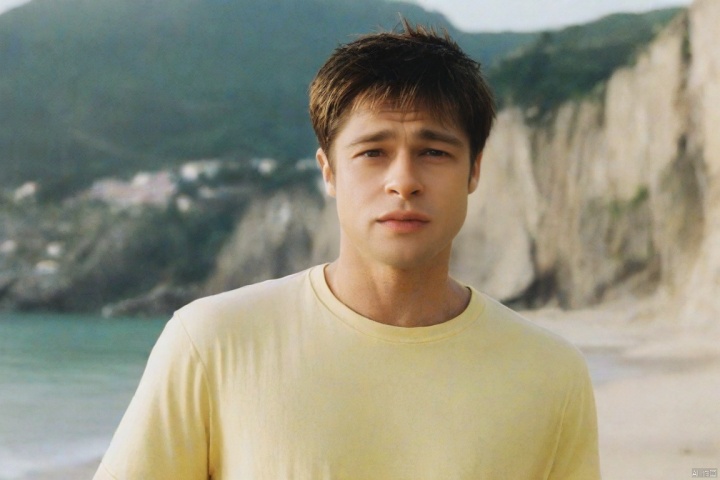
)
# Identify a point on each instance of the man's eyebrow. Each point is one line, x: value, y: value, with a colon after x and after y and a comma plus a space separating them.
x: 372, y: 137
x: 429, y: 134
x: 424, y: 134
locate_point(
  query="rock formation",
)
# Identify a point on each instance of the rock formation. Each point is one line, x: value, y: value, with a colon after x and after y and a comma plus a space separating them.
x: 616, y: 193
x: 274, y: 238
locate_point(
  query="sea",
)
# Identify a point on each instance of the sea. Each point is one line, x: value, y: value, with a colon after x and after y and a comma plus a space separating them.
x: 65, y: 382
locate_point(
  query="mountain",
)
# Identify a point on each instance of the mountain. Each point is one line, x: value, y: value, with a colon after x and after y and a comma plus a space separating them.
x: 99, y: 87
x: 572, y: 62
x: 91, y: 88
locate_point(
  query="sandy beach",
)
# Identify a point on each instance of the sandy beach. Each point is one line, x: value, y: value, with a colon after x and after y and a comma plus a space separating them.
x: 82, y: 472
x: 657, y: 388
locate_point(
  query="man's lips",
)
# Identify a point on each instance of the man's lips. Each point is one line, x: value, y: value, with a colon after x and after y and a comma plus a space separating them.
x: 404, y: 221
x: 404, y: 216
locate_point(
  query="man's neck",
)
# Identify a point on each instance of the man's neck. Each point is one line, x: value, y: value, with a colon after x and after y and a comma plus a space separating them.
x: 404, y: 298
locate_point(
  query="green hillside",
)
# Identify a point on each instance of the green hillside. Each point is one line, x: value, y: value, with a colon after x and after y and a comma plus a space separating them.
x: 98, y: 87
x: 571, y: 62
x: 92, y: 88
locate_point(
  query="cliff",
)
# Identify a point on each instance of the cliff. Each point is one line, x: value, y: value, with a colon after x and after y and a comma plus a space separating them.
x: 613, y: 195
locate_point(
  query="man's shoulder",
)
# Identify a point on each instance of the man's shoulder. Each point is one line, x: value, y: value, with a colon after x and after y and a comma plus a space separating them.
x: 249, y: 306
x: 530, y: 340
x: 249, y: 296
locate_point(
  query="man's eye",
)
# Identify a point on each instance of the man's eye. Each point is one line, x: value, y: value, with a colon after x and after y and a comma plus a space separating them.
x: 435, y: 153
x: 371, y: 153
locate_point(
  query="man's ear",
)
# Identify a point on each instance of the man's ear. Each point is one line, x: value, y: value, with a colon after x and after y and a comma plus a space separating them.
x: 475, y: 173
x: 327, y: 171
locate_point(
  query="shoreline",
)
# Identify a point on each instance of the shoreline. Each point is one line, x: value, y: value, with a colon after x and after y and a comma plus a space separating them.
x: 658, y: 410
x: 657, y: 390
x: 85, y: 471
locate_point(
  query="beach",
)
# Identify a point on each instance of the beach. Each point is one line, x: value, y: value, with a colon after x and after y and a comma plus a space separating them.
x: 657, y: 388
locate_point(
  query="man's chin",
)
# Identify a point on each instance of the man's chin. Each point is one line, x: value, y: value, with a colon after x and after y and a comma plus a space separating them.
x: 412, y: 261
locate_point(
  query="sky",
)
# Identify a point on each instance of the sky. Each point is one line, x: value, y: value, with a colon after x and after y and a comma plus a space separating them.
x: 8, y: 4
x: 533, y: 15
x: 519, y: 15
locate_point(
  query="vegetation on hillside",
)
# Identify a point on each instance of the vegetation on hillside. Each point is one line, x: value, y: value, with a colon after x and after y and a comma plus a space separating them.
x: 92, y: 88
x: 572, y: 62
x: 98, y: 87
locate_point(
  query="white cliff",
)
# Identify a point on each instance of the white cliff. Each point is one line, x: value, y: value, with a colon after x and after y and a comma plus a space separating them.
x: 617, y: 193
x: 273, y: 238
x: 699, y: 292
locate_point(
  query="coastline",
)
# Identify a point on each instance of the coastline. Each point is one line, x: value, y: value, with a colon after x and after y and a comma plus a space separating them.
x: 657, y: 389
x: 79, y: 472
x: 657, y: 401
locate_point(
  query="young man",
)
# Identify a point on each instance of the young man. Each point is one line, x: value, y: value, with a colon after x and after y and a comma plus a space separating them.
x: 378, y: 365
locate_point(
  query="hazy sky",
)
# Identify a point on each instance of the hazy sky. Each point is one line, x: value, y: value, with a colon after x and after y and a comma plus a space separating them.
x: 493, y: 15
x: 8, y: 4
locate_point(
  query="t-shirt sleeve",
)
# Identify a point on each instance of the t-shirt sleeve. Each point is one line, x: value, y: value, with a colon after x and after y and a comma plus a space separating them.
x: 165, y: 430
x: 577, y: 455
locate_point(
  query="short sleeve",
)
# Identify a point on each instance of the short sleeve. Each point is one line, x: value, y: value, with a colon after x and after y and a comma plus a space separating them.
x: 577, y: 455
x: 165, y: 430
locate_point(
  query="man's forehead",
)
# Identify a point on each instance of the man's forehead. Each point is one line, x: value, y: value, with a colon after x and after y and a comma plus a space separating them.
x: 406, y: 112
x: 368, y: 125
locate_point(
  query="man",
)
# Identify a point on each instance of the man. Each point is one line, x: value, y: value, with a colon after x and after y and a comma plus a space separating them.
x: 378, y: 365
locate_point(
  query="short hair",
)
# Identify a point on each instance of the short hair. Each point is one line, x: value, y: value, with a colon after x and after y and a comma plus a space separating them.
x: 416, y: 67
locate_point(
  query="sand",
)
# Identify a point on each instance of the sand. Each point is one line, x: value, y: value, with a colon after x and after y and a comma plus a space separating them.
x: 658, y: 399
x: 80, y: 472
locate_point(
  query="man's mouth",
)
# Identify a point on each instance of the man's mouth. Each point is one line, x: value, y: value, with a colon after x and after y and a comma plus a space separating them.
x: 404, y: 221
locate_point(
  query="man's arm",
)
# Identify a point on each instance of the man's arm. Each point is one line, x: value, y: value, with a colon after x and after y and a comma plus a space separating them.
x: 165, y: 430
x: 577, y: 455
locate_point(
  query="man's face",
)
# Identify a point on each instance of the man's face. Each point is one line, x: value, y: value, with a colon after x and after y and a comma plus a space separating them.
x: 401, y: 181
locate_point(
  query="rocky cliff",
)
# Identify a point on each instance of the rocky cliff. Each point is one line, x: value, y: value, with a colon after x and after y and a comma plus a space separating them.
x: 616, y: 194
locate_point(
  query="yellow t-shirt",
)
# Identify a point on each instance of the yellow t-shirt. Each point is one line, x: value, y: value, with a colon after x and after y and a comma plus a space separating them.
x: 280, y: 380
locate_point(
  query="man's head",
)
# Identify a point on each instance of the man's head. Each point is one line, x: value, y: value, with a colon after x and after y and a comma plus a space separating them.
x: 415, y: 68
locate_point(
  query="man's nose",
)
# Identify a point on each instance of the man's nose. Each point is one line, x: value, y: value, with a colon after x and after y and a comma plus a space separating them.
x: 403, y: 178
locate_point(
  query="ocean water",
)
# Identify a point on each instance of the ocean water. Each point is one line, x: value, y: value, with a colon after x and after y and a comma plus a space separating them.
x: 65, y: 381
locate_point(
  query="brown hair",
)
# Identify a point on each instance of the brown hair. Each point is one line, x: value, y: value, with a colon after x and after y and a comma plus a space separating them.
x: 413, y: 68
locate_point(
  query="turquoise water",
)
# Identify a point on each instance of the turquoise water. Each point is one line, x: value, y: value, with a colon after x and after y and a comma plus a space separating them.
x: 65, y: 382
